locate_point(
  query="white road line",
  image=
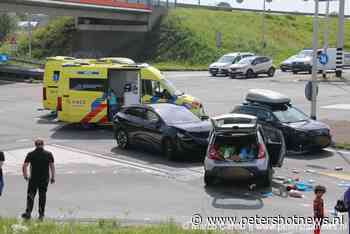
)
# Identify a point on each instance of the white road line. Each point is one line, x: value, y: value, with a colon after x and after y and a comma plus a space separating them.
x: 118, y: 161
x: 337, y: 107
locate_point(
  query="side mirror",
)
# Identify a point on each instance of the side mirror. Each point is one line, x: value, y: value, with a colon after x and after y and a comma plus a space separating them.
x: 204, y: 117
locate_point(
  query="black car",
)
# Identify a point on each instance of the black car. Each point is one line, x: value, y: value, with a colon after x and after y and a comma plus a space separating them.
x: 166, y: 127
x: 301, y: 133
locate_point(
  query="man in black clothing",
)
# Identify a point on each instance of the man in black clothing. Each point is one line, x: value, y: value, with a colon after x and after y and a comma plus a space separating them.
x: 41, y: 163
x: 2, y: 159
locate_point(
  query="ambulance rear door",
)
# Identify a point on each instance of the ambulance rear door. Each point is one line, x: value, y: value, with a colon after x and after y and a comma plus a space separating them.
x: 125, y: 83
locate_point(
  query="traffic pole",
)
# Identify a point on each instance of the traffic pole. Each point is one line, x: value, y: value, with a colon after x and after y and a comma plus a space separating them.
x: 314, y: 61
x: 326, y: 33
x: 263, y: 28
x: 340, y: 41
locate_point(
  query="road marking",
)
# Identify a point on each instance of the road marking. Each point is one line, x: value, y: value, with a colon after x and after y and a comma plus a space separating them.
x: 337, y: 107
x: 338, y: 175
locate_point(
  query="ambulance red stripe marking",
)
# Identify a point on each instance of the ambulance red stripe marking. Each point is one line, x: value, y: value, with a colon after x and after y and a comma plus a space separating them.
x: 104, y: 119
x: 93, y: 113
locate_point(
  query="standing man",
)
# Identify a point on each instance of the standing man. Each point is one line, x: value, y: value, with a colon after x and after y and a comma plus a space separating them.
x: 2, y: 159
x: 41, y: 163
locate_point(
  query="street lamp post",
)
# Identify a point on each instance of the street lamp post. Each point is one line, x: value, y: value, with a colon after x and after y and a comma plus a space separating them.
x: 340, y: 42
x: 314, y: 61
x: 263, y: 44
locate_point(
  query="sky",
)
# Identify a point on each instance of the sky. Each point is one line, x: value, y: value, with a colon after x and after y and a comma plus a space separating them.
x: 279, y: 5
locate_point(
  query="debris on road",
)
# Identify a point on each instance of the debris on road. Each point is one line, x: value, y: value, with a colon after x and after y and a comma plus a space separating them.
x: 266, y: 194
x: 295, y: 171
x: 295, y: 193
x: 310, y: 171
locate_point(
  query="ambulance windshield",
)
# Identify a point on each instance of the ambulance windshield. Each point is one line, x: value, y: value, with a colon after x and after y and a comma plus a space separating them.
x: 170, y: 87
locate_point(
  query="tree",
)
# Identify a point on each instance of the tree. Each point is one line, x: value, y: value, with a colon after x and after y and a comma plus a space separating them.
x: 7, y: 25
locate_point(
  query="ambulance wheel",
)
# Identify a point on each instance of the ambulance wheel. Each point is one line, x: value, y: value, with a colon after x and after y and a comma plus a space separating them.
x: 122, y: 139
x: 169, y: 149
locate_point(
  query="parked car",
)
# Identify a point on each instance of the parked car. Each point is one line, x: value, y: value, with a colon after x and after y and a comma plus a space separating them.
x: 252, y: 66
x: 240, y: 148
x: 166, y: 127
x: 286, y: 65
x: 222, y: 65
x: 301, y: 133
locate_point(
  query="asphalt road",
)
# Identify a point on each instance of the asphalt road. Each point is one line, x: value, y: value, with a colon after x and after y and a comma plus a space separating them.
x: 97, y: 180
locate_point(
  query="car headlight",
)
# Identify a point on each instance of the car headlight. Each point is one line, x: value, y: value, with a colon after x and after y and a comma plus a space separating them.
x: 183, y: 136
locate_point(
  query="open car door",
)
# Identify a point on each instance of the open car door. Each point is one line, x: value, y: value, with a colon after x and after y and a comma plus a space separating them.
x: 275, y: 144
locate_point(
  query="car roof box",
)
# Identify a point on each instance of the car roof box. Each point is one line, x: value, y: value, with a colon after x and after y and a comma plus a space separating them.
x: 266, y: 96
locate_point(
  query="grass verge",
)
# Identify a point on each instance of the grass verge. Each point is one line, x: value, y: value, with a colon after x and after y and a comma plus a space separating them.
x: 344, y: 146
x: 11, y: 226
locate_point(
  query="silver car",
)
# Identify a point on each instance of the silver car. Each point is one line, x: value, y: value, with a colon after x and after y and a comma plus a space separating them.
x: 239, y: 148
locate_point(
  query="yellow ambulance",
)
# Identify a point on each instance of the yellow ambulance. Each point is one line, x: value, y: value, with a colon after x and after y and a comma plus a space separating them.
x: 51, y: 79
x: 84, y: 91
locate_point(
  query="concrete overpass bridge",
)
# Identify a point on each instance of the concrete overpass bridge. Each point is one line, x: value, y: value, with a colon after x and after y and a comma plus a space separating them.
x: 104, y: 27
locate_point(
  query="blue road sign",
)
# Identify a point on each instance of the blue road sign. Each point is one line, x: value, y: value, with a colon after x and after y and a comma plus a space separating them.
x: 323, y: 58
x: 4, y: 58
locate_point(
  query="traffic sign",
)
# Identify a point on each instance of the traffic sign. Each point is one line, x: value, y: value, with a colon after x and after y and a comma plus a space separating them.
x: 3, y: 58
x: 323, y: 58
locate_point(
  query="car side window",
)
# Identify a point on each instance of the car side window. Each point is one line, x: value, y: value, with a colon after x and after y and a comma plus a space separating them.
x: 265, y: 60
x: 136, y: 112
x: 151, y: 117
x: 264, y: 115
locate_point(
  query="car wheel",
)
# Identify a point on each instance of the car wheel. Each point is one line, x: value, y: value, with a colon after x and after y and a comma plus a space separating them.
x: 209, y: 180
x: 310, y: 71
x: 232, y: 76
x: 169, y: 149
x: 283, y: 70
x: 250, y: 74
x: 266, y: 179
x: 213, y: 74
x: 295, y: 72
x: 271, y: 72
x: 122, y: 139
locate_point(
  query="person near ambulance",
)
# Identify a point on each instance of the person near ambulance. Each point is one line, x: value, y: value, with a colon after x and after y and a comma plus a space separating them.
x: 112, y: 103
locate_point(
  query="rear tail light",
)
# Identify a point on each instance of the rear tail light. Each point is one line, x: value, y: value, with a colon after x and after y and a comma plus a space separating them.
x: 44, y: 93
x: 213, y: 153
x: 261, y: 152
x: 59, y: 104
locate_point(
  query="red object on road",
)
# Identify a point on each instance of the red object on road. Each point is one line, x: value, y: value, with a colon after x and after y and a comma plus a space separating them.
x: 112, y: 3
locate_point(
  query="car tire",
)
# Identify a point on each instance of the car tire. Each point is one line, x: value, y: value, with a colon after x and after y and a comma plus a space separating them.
x: 310, y: 71
x: 122, y: 139
x: 169, y: 149
x: 250, y: 74
x: 266, y: 179
x: 213, y: 74
x: 295, y: 72
x: 271, y: 72
x: 283, y: 70
x: 233, y: 76
x: 209, y: 180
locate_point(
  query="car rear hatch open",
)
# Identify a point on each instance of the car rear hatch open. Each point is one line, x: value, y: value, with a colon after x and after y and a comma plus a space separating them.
x: 235, y: 138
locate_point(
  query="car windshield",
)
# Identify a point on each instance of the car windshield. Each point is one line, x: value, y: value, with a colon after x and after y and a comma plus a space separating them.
x: 226, y: 59
x: 176, y: 115
x: 170, y: 87
x: 246, y: 60
x: 304, y: 53
x: 290, y: 114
